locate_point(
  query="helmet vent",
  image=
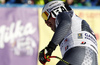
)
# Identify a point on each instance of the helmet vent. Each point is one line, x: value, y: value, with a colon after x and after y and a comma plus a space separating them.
x: 53, y: 3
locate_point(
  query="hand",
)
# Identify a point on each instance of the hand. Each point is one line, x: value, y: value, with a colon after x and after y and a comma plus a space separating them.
x: 43, y: 56
x: 45, y: 53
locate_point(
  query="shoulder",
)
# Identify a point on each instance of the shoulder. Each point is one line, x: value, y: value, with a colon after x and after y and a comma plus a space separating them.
x: 63, y: 16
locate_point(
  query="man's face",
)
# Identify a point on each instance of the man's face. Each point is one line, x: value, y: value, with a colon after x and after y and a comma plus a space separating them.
x: 51, y: 23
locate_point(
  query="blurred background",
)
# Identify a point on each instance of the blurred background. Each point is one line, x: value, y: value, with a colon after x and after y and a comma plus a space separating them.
x: 42, y: 2
x: 23, y: 33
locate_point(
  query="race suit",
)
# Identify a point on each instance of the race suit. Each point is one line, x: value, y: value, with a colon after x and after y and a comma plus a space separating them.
x: 76, y: 39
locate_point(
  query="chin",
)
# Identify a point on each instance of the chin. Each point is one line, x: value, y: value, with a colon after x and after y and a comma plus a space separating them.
x: 53, y: 30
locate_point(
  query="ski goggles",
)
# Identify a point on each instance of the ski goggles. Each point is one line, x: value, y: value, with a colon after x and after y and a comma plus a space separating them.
x: 46, y: 15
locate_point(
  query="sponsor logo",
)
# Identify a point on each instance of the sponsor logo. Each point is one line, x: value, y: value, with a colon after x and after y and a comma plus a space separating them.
x: 90, y: 37
x: 23, y: 46
x: 15, y: 31
x: 65, y: 40
x: 19, y: 38
x: 80, y: 36
x: 66, y: 48
x: 83, y: 42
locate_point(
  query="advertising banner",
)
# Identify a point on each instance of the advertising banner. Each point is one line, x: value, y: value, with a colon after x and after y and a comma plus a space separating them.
x: 19, y: 36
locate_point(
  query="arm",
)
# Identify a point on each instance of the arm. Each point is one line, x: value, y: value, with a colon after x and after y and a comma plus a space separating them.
x: 64, y: 20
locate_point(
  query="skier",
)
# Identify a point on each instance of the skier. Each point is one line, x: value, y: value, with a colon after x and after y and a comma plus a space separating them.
x: 76, y: 39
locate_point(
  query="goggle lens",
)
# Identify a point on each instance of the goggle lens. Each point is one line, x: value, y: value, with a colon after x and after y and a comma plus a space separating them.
x: 45, y: 15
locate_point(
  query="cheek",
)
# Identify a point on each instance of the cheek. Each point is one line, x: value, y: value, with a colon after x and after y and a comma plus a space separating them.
x: 54, y: 26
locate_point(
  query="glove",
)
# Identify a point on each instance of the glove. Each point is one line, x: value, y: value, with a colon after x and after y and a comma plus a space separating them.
x: 43, y: 56
x: 46, y: 52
